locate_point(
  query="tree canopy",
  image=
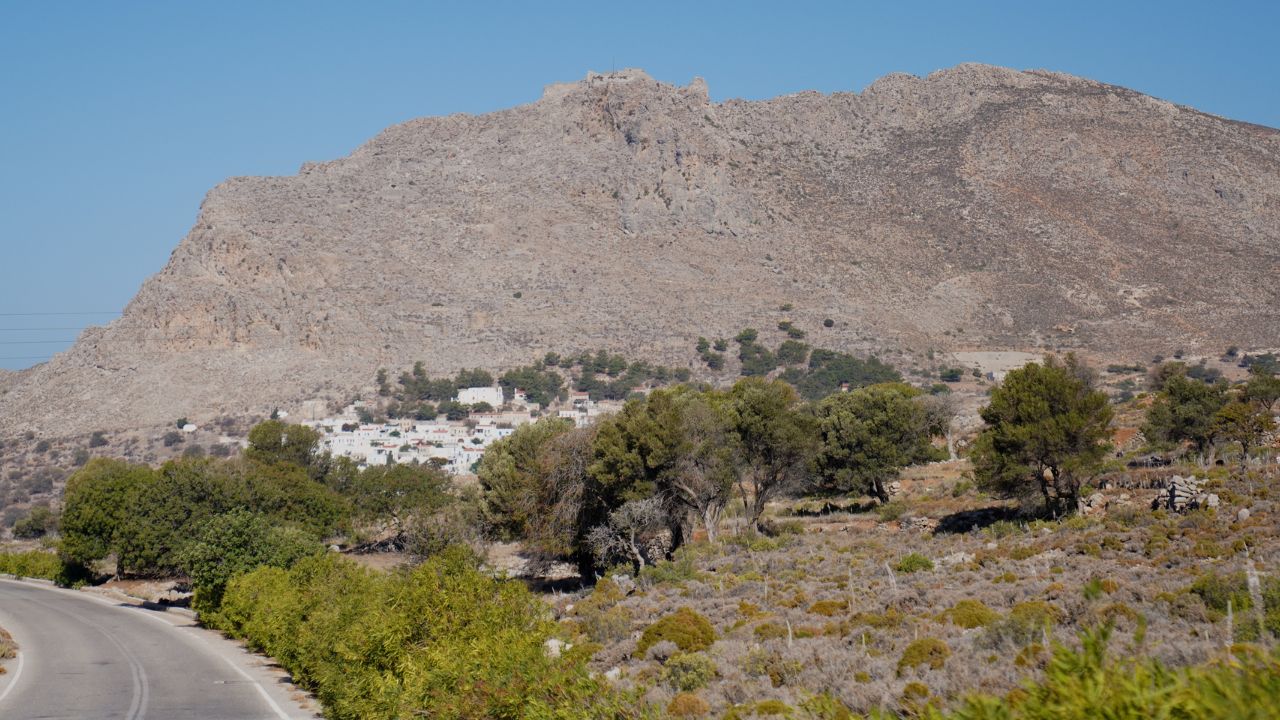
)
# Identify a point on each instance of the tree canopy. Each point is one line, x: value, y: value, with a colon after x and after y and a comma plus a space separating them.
x: 1046, y: 434
x: 868, y: 435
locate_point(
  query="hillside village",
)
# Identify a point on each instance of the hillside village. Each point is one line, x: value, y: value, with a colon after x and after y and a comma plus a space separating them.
x: 455, y: 446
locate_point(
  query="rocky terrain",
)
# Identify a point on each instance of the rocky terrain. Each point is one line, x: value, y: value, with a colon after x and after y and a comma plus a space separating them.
x: 976, y: 208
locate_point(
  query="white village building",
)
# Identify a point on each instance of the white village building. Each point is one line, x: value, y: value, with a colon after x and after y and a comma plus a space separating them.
x: 476, y: 395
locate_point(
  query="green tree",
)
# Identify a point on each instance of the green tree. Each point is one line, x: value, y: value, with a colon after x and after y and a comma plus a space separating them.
x: 1046, y: 431
x: 473, y: 378
x: 540, y: 384
x: 38, y: 522
x: 677, y: 444
x: 274, y: 441
x: 287, y: 492
x: 1243, y: 422
x: 512, y: 477
x: 1263, y: 389
x: 868, y: 435
x: 792, y: 352
x: 1184, y: 411
x: 777, y: 439
x: 396, y: 493
x: 164, y: 513
x: 96, y: 505
x: 756, y: 359
x: 829, y: 370
x: 235, y: 543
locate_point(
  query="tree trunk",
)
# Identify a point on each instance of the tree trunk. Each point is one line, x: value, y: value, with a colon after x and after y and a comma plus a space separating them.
x: 878, y: 491
x: 711, y: 521
x: 636, y: 555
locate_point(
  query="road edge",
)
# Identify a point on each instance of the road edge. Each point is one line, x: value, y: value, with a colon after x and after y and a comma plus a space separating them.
x: 274, y: 683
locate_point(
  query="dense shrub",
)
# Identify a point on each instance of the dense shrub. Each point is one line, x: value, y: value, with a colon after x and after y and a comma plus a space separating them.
x: 236, y: 543
x: 39, y: 522
x: 31, y: 563
x: 443, y: 640
x: 688, y: 671
x: 1027, y: 622
x: 925, y: 651
x: 1217, y: 591
x: 689, y: 630
x: 829, y: 608
x: 1086, y: 683
x: 970, y: 614
x: 913, y: 562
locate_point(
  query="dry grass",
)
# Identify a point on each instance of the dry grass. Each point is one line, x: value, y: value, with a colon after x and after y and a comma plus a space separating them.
x: 8, y: 648
x: 824, y: 612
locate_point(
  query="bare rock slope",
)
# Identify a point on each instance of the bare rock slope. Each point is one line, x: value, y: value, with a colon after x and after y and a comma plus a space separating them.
x: 978, y: 207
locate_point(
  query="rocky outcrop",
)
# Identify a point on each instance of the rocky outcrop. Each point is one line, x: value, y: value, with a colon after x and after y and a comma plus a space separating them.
x: 975, y: 207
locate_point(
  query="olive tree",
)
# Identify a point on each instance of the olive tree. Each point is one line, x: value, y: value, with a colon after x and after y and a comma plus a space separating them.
x: 1184, y: 411
x: 868, y: 435
x: 777, y: 438
x: 1046, y: 432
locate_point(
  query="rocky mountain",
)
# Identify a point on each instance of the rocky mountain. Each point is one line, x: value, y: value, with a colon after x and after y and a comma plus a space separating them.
x: 978, y: 207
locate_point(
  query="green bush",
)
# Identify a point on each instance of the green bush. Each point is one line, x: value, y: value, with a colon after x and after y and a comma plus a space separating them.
x: 1026, y: 623
x: 826, y: 707
x: 1086, y: 683
x: 31, y: 564
x: 38, y: 522
x: 970, y: 614
x: 443, y: 640
x: 925, y: 651
x: 768, y: 708
x: 829, y: 608
x: 1218, y: 590
x: 914, y: 562
x: 769, y: 631
x: 689, y: 630
x: 236, y: 543
x: 689, y: 671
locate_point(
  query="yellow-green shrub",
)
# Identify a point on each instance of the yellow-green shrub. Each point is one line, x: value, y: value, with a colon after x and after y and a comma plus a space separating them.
x: 689, y: 671
x: 1086, y: 683
x: 970, y: 614
x: 689, y: 630
x: 913, y: 562
x: 829, y: 608
x: 442, y: 640
x: 31, y: 563
x: 687, y: 705
x: 925, y: 651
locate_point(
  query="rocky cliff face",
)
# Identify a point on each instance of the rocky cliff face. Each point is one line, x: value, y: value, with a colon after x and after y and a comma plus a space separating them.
x: 976, y: 207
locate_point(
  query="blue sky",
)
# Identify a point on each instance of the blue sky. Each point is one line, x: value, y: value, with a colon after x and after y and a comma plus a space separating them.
x: 116, y: 118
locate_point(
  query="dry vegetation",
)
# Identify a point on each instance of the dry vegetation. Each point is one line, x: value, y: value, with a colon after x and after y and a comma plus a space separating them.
x: 931, y: 598
x: 8, y: 648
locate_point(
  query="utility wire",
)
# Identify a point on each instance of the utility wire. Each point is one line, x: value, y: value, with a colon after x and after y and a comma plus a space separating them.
x: 33, y: 342
x: 45, y: 314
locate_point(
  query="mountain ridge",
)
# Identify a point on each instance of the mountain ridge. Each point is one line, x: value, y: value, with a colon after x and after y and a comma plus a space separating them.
x: 976, y: 207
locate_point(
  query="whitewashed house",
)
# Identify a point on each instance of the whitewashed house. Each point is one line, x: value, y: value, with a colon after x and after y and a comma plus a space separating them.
x: 475, y: 395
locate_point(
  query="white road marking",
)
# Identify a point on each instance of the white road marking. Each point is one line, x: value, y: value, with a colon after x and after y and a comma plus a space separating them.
x: 265, y: 695
x: 13, y: 681
x: 141, y: 697
x: 261, y: 690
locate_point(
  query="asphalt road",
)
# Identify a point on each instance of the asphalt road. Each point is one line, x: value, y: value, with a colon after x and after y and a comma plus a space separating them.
x: 82, y: 656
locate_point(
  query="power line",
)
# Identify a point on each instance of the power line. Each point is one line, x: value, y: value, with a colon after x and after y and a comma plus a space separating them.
x: 27, y: 357
x: 33, y: 342
x: 46, y: 314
